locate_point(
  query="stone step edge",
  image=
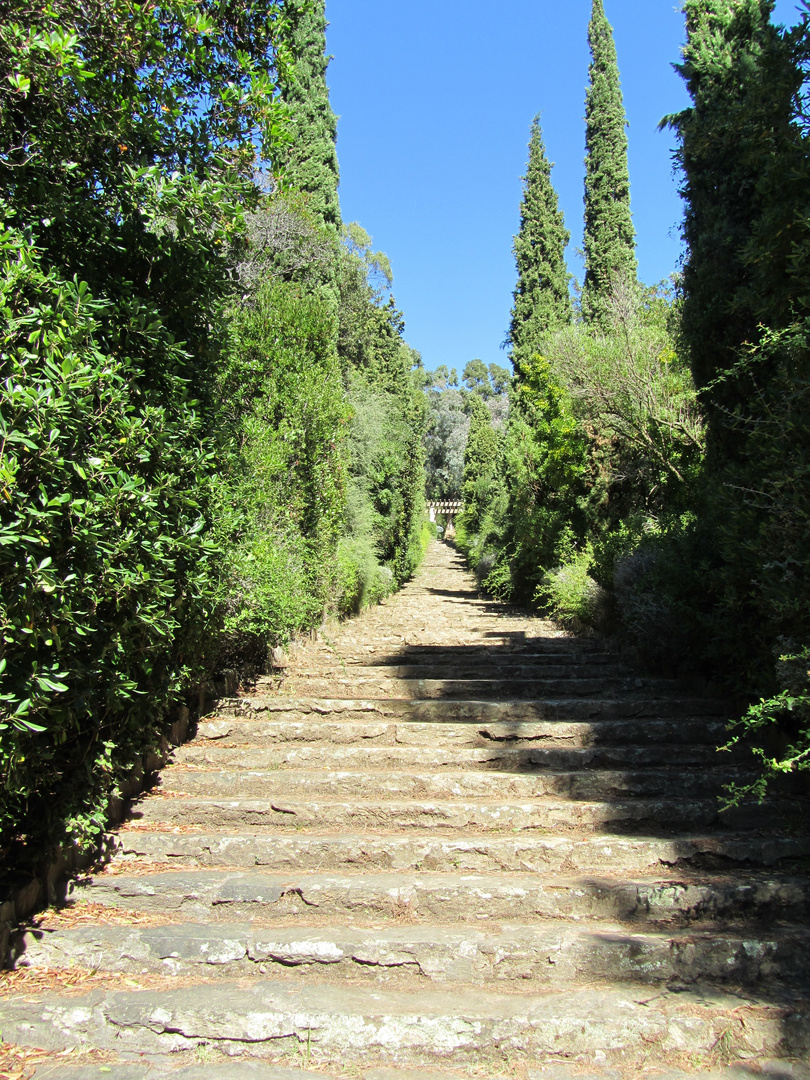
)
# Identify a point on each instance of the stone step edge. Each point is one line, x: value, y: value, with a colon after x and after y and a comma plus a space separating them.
x: 413, y: 1027
x: 712, y: 844
x: 484, y: 933
x: 697, y: 707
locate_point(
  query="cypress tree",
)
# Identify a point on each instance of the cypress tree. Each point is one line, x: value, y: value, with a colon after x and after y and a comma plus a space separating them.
x: 310, y: 160
x: 541, y: 298
x: 745, y: 185
x: 609, y: 233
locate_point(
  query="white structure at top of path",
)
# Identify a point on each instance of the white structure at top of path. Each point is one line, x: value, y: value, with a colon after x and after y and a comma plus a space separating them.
x: 448, y: 507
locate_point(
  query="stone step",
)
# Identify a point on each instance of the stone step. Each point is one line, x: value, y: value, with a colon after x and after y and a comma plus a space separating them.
x: 238, y: 731
x: 543, y: 816
x: 438, y: 759
x: 481, y: 854
x: 649, y: 902
x: 588, y: 785
x: 157, y: 1068
x: 479, y: 689
x: 458, y: 668
x: 549, y: 955
x: 562, y: 708
x: 427, y: 1026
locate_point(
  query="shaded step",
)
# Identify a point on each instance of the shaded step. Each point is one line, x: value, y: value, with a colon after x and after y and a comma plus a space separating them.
x: 481, y: 854
x: 479, y: 689
x: 537, y: 650
x: 576, y: 709
x: 546, y: 815
x: 549, y: 955
x: 457, y: 668
x: 233, y: 895
x: 270, y: 1019
x: 499, y: 756
x: 476, y: 732
x: 588, y: 784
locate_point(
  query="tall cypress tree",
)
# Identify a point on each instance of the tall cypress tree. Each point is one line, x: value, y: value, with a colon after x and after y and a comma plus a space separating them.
x: 542, y: 301
x: 310, y: 160
x: 609, y: 234
x: 745, y: 186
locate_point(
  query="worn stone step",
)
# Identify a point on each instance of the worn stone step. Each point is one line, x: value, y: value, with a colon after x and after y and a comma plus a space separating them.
x: 478, y: 689
x: 368, y: 731
x: 549, y: 955
x: 480, y: 854
x: 456, y: 668
x: 159, y: 1068
x: 562, y: 708
x: 233, y: 895
x: 546, y: 815
x: 337, y: 1022
x: 206, y: 754
x: 586, y: 784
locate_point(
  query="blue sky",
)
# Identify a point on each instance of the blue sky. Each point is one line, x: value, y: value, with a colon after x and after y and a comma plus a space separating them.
x: 435, y: 99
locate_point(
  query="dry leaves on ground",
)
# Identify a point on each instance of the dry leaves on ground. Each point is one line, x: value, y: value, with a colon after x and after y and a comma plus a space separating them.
x: 29, y: 984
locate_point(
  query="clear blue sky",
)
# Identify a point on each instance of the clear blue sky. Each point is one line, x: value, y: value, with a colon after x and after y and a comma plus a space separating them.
x: 435, y: 99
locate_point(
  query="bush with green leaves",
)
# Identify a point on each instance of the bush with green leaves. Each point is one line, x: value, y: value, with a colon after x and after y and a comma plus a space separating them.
x: 108, y: 574
x: 776, y: 730
x: 570, y: 594
x: 127, y: 142
x: 280, y: 504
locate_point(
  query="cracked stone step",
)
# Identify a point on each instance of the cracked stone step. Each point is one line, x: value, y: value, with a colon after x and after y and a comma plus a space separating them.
x: 439, y: 758
x: 242, y: 732
x: 455, y: 1026
x: 575, y: 709
x: 480, y: 689
x: 541, y: 815
x: 549, y: 956
x: 587, y: 785
x: 230, y: 895
x: 534, y: 854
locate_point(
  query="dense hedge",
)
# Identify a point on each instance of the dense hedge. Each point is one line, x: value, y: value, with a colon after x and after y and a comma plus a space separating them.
x: 178, y: 490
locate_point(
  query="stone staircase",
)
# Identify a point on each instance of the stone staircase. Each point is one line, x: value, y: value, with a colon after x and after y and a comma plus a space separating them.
x: 448, y: 841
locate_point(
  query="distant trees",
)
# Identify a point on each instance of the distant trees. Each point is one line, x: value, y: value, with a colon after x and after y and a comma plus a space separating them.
x: 449, y: 414
x: 609, y: 234
x: 541, y: 298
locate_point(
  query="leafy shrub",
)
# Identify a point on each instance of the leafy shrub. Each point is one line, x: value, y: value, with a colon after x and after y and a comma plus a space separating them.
x: 108, y: 580
x: 281, y: 503
x: 127, y: 140
x: 570, y: 594
x: 776, y: 729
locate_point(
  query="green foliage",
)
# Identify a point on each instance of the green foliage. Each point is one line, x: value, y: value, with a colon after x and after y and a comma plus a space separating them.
x: 127, y: 144
x: 609, y: 240
x: 543, y: 464
x: 635, y: 396
x: 776, y: 729
x: 570, y: 594
x: 447, y: 427
x: 107, y: 576
x: 744, y: 163
x: 480, y: 456
x: 309, y: 158
x: 177, y: 488
x: 541, y: 298
x: 280, y: 510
